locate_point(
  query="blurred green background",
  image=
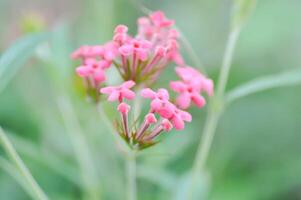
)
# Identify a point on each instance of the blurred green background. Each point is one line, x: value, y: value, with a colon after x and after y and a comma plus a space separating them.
x: 256, y: 151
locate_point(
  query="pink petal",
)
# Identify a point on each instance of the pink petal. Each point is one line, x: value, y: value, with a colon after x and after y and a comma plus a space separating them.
x: 128, y: 84
x: 208, y: 86
x: 183, y: 100
x: 126, y: 50
x: 186, y: 116
x: 178, y: 86
x: 166, y: 110
x: 148, y: 93
x: 107, y: 90
x: 99, y: 75
x: 198, y: 100
x: 114, y: 96
x: 178, y: 122
x: 163, y: 93
x: 156, y: 104
x: 82, y: 71
x: 128, y: 94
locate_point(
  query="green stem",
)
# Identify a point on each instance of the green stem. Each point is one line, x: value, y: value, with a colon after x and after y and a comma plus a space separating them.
x: 23, y: 170
x: 131, y: 175
x: 215, y: 111
x: 227, y: 60
x: 82, y: 152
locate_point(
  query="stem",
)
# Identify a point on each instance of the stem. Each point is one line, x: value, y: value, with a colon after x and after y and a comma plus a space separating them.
x: 131, y: 175
x: 23, y: 170
x: 215, y: 111
x: 227, y: 60
x: 80, y: 146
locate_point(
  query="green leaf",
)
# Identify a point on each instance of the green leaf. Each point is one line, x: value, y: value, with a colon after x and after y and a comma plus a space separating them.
x: 260, y: 84
x: 241, y: 11
x: 13, y: 58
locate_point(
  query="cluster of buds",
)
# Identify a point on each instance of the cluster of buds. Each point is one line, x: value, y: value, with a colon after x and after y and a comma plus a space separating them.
x: 139, y: 61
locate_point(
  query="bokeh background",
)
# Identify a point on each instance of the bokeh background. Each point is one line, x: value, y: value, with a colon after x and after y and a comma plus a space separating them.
x: 256, y: 151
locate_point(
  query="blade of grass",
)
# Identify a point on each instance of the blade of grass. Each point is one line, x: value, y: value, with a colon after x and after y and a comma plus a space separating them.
x: 10, y: 169
x: 21, y: 167
x: 290, y: 78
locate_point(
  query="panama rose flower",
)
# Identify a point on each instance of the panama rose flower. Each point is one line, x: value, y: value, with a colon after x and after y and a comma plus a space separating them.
x: 190, y: 87
x: 139, y: 60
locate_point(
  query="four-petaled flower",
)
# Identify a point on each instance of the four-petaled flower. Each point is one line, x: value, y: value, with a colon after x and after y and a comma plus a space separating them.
x: 190, y: 87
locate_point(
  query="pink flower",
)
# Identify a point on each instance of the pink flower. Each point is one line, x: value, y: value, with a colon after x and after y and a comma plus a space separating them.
x: 187, y: 93
x: 179, y: 117
x: 194, y: 77
x: 93, y: 69
x: 119, y: 92
x: 159, y: 19
x: 136, y: 47
x: 160, y: 101
x: 190, y: 87
x: 85, y: 52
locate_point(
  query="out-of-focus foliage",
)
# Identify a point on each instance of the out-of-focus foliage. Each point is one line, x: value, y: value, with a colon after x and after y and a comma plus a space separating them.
x: 256, y: 151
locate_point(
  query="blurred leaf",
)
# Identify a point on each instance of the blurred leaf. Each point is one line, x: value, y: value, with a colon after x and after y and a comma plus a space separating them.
x: 272, y: 81
x: 12, y: 59
x: 61, y: 49
x: 241, y: 11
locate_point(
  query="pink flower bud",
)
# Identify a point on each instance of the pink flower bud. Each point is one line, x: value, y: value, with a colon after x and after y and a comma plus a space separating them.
x: 121, y: 29
x: 123, y: 108
x: 167, y: 126
x: 150, y: 118
x: 83, y: 71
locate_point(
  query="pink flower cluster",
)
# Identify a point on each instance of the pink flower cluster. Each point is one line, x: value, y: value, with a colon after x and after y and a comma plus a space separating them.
x: 139, y: 60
